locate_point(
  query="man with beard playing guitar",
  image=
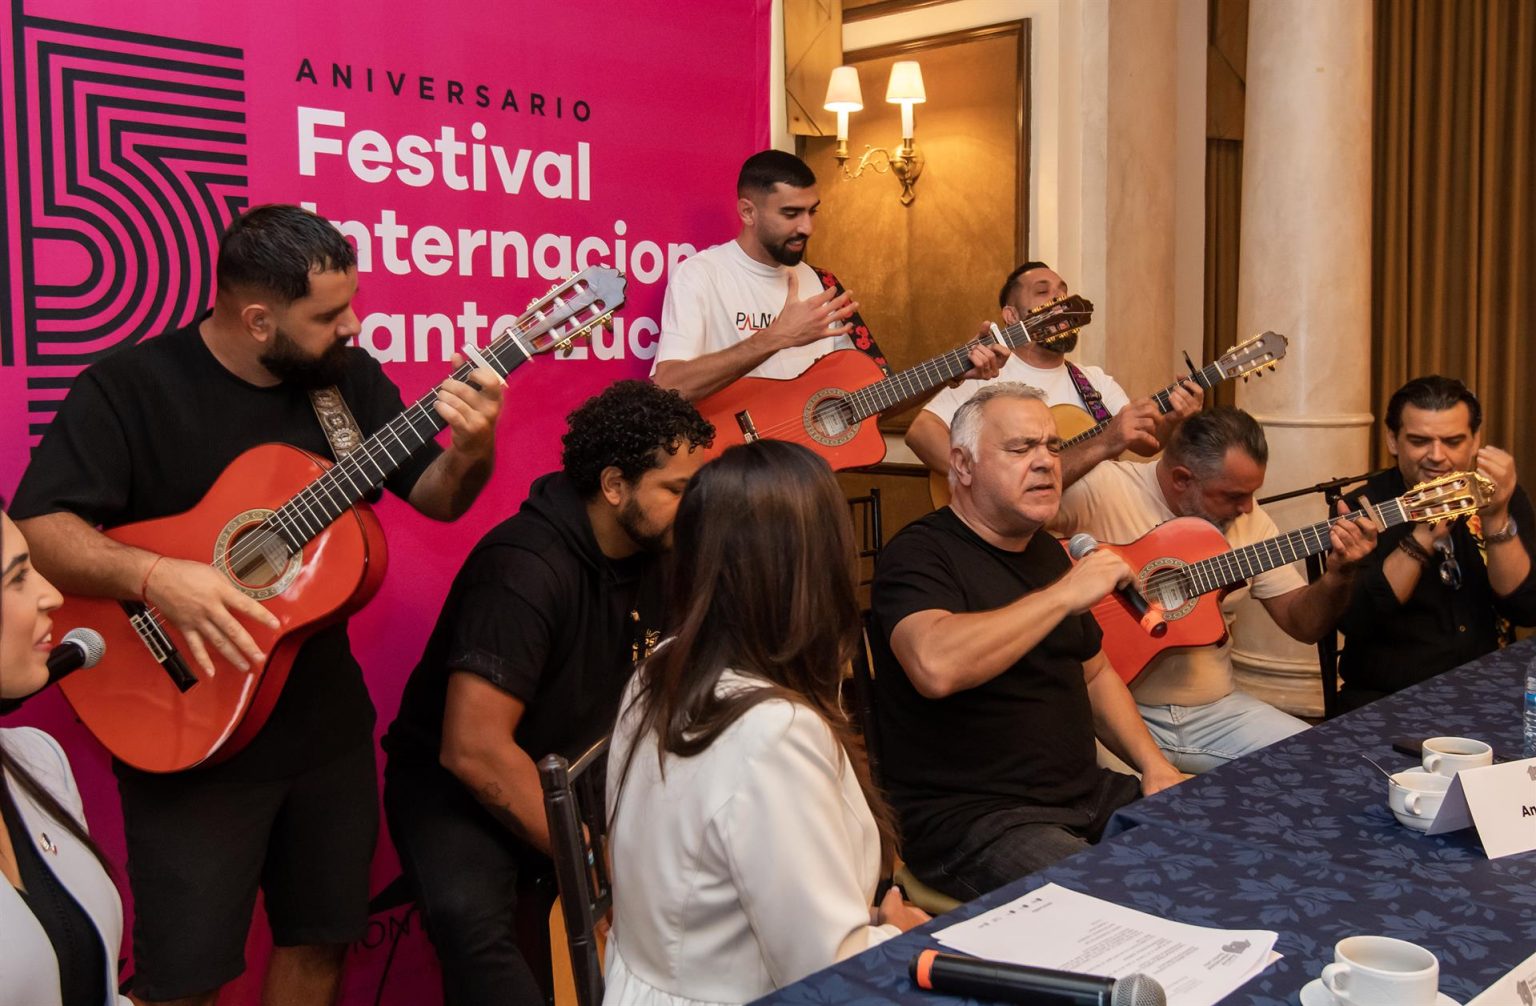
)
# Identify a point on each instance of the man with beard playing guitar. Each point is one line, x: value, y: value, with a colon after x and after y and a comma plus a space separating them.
x: 144, y: 434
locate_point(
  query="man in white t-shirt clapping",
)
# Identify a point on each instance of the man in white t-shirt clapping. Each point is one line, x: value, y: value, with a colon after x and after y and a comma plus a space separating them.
x: 752, y: 307
x: 1137, y: 426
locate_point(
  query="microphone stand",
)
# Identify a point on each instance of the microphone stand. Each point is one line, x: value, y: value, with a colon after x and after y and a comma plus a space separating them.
x: 1327, y: 647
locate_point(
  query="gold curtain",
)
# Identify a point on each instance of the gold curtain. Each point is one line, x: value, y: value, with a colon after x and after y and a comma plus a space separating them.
x: 1454, y: 229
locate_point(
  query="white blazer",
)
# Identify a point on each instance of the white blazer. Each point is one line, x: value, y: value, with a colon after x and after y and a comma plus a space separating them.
x: 739, y: 870
x: 29, y: 971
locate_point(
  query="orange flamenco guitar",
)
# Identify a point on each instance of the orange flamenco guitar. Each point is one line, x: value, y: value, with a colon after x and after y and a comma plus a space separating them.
x: 289, y: 530
x: 1185, y: 567
x: 825, y: 408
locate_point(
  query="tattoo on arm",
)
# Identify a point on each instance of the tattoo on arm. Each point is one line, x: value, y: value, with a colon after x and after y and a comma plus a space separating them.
x: 491, y: 799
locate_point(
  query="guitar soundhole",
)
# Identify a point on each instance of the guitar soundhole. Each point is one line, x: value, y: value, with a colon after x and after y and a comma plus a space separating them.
x: 1165, y: 583
x: 255, y: 557
x: 828, y: 420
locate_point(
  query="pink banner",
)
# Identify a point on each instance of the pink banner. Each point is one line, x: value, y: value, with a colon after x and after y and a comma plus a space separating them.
x: 475, y: 154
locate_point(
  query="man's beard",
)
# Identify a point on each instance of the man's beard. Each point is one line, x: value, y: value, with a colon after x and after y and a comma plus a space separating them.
x: 783, y: 254
x: 1063, y: 345
x: 632, y: 521
x: 289, y: 363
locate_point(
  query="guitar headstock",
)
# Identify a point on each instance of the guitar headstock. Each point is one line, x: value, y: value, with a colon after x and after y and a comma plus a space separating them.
x: 1254, y: 357
x: 1057, y: 320
x: 571, y: 310
x: 1448, y: 497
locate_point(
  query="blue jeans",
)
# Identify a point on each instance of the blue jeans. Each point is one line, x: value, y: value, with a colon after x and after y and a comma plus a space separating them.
x: 1200, y: 738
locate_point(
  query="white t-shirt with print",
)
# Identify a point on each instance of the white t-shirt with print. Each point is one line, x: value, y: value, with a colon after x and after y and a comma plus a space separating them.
x: 721, y: 295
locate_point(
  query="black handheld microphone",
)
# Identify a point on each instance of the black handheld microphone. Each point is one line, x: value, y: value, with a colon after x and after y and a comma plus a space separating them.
x: 1151, y: 619
x: 970, y: 976
x: 78, y: 649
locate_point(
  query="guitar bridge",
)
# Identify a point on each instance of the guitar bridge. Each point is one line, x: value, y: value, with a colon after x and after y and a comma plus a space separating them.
x: 146, y: 624
x: 748, y: 428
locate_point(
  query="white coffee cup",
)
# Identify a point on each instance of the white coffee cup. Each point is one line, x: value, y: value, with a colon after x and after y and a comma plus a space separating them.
x: 1382, y: 971
x: 1449, y: 755
x: 1415, y: 796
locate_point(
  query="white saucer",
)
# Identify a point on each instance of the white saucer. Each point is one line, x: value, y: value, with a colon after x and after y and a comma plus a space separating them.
x: 1315, y: 993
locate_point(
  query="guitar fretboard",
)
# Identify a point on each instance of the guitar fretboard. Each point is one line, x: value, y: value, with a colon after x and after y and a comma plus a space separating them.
x: 381, y: 455
x: 1240, y: 564
x: 1207, y: 377
x: 942, y: 369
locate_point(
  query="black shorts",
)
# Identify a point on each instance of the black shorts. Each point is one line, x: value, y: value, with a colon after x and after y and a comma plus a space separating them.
x: 199, y: 847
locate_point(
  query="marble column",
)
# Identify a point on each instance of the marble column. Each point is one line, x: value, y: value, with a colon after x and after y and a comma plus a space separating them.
x: 1305, y: 272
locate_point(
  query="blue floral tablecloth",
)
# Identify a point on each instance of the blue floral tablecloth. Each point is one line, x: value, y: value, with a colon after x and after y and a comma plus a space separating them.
x: 1314, y: 795
x: 1297, y: 839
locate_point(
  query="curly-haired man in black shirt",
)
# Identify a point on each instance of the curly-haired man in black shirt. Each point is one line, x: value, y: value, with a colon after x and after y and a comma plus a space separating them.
x: 534, y: 645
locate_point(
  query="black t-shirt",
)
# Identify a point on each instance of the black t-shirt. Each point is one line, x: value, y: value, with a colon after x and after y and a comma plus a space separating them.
x: 1389, y: 645
x: 542, y: 614
x: 1022, y: 739
x: 146, y: 432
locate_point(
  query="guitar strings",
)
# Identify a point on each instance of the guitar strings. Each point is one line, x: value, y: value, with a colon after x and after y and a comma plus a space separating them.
x: 307, y: 499
x: 928, y: 369
x: 1171, y: 575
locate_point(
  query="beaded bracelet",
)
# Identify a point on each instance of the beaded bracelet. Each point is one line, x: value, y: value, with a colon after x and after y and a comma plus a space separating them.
x: 1414, y: 550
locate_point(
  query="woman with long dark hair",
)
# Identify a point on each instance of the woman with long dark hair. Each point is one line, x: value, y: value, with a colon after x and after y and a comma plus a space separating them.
x: 747, y: 840
x: 61, y: 920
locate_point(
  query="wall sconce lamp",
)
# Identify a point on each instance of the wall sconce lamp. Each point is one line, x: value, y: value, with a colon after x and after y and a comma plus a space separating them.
x: 905, y: 89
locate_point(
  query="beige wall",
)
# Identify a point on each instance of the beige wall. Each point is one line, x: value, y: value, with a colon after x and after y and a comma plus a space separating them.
x: 1117, y: 161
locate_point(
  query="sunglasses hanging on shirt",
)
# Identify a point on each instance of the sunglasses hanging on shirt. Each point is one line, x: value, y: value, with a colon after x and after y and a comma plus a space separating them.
x: 1450, y: 569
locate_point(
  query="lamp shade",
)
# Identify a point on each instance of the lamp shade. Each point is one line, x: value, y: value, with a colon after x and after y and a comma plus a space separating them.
x: 843, y: 94
x: 906, y: 83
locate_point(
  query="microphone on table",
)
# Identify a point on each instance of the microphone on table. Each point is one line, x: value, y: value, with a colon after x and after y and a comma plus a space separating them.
x: 80, y: 648
x: 971, y: 976
x: 1151, y: 619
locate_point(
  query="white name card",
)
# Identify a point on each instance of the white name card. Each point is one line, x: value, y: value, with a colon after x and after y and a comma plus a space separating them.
x: 1499, y: 800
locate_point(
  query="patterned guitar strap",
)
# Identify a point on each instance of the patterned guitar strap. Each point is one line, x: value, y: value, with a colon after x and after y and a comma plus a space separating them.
x: 860, y: 333
x: 341, y: 429
x: 1092, y: 400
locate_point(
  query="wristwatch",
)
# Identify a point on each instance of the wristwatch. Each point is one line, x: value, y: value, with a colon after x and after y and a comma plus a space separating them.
x: 1508, y: 531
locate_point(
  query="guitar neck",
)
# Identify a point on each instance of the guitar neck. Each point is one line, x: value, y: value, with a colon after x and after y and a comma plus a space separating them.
x: 1240, y: 564
x: 1207, y: 377
x: 381, y: 455
x: 923, y: 378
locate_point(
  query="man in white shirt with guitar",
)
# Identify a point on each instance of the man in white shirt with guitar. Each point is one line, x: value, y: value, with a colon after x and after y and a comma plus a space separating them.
x: 1213, y: 465
x: 1137, y: 426
x: 753, y: 306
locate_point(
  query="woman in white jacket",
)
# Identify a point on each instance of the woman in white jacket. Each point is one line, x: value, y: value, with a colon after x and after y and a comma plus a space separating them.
x: 746, y: 838
x: 61, y: 920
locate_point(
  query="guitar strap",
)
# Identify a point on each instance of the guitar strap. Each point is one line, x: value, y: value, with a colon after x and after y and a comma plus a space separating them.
x: 341, y: 429
x: 1502, y: 626
x: 1092, y: 400
x: 860, y: 334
